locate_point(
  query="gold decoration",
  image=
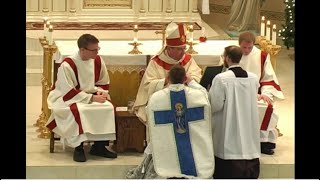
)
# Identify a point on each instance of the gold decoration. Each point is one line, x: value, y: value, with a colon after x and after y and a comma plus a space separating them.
x: 264, y: 44
x: 135, y: 49
x: 48, y: 50
x: 259, y: 39
x: 273, y: 50
x: 190, y: 49
x: 120, y: 94
x: 43, y: 41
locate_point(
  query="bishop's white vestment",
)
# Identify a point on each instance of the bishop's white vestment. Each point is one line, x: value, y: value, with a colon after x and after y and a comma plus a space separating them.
x: 154, y: 78
x: 258, y: 62
x: 74, y: 118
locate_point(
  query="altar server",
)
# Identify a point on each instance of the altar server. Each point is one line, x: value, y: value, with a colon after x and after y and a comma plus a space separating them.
x: 80, y: 102
x: 235, y: 120
x: 257, y: 61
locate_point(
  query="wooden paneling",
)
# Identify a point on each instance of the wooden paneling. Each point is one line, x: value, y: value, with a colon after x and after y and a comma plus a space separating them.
x: 123, y: 86
x: 131, y: 132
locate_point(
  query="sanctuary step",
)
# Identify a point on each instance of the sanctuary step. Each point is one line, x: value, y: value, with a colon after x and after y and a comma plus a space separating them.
x: 42, y: 165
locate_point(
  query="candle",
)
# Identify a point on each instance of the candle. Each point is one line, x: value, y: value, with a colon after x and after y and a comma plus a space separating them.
x: 45, y: 19
x: 274, y: 35
x: 46, y: 31
x: 268, y: 31
x: 263, y: 26
x: 191, y: 33
x: 135, y: 30
x: 50, y: 41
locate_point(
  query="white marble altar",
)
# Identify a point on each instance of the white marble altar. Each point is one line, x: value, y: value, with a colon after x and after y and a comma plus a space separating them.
x: 116, y: 52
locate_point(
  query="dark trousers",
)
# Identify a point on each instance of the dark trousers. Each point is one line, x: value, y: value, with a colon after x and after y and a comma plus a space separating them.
x: 236, y: 169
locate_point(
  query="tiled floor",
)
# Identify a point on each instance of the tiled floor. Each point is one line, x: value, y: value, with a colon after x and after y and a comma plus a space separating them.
x: 42, y: 164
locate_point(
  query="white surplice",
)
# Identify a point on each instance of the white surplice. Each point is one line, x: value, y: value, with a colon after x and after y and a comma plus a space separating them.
x: 235, y: 117
x: 73, y: 117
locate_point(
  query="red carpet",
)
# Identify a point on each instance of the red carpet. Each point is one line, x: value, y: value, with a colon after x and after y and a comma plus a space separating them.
x: 101, y: 25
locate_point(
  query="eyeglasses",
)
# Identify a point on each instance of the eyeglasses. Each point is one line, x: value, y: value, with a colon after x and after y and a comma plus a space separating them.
x: 93, y: 50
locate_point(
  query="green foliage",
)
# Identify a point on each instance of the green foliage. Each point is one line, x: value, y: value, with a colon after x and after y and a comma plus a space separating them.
x: 288, y: 31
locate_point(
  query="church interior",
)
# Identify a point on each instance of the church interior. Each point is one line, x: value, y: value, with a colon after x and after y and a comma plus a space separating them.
x: 113, y: 22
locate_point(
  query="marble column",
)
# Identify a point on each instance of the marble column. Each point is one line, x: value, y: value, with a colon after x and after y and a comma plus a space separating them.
x: 72, y: 6
x: 169, y: 9
x: 142, y: 8
x: 45, y: 6
x: 194, y: 6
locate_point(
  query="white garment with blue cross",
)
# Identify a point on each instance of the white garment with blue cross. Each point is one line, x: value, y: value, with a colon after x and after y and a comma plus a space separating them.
x: 180, y: 133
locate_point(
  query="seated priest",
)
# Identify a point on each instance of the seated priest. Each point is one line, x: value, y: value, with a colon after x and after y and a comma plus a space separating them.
x: 179, y: 120
x: 257, y: 61
x: 80, y: 102
x: 159, y: 65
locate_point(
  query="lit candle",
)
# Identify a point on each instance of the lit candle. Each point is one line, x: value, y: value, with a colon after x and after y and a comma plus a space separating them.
x: 50, y: 41
x: 268, y: 31
x: 135, y: 30
x: 191, y: 33
x: 45, y: 19
x: 46, y: 31
x: 263, y: 26
x: 274, y: 35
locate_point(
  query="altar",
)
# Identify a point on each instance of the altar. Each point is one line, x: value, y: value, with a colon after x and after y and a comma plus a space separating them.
x: 126, y: 70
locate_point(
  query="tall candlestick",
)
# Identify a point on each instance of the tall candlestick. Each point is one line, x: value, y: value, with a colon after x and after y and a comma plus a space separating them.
x: 135, y: 30
x: 50, y: 41
x: 274, y: 35
x: 191, y: 33
x: 263, y: 26
x: 45, y: 19
x: 268, y: 31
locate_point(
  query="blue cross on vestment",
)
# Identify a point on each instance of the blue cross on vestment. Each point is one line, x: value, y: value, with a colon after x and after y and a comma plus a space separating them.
x: 185, y: 154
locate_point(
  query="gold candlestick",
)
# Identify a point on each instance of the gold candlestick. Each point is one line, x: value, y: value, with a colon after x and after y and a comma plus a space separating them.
x: 135, y: 49
x: 190, y: 49
x: 259, y: 39
x: 264, y: 44
x: 273, y: 50
x: 49, y: 50
x: 43, y: 42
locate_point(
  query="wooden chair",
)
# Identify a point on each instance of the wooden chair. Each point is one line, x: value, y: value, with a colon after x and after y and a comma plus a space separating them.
x: 52, y: 137
x: 118, y: 92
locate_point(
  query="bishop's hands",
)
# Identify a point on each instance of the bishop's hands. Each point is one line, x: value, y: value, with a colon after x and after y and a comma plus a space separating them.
x: 188, y: 78
x: 186, y: 81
